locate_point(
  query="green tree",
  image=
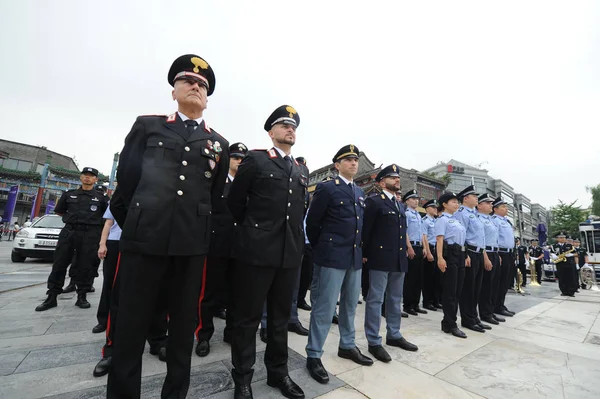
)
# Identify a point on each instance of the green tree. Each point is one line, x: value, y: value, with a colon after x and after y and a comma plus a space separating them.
x: 595, y: 191
x: 566, y: 218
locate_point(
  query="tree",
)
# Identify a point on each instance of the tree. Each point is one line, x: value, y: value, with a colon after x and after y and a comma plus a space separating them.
x: 595, y: 191
x: 565, y: 218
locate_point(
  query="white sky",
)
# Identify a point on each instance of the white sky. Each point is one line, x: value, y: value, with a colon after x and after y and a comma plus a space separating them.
x: 515, y: 83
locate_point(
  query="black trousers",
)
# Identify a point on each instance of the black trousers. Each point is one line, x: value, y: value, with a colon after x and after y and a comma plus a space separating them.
x: 81, y: 242
x: 503, y: 281
x: 575, y: 275
x: 452, y: 280
x: 471, y: 290
x: 437, y: 280
x: 306, y: 273
x: 413, y: 281
x: 523, y: 268
x: 143, y: 279
x: 429, y: 283
x: 109, y: 269
x: 252, y: 286
x: 489, y: 287
x: 214, y: 296
x: 538, y: 271
x: 159, y: 323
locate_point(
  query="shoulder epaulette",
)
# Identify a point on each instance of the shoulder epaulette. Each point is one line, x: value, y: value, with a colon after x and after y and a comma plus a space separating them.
x: 337, y: 182
x: 382, y: 196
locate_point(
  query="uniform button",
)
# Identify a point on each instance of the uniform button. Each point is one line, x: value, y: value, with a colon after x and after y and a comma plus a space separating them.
x: 234, y: 223
x: 160, y: 143
x: 137, y: 204
x: 358, y: 217
x: 288, y: 217
x: 341, y: 202
x: 381, y: 247
x: 184, y: 163
x: 290, y: 179
x: 256, y: 225
x: 400, y: 249
x: 400, y: 236
x: 331, y: 239
x: 182, y: 177
x: 356, y: 231
x: 289, y: 204
x: 271, y: 175
x: 354, y: 245
x: 187, y: 148
x: 355, y: 204
x: 179, y: 192
x: 290, y: 191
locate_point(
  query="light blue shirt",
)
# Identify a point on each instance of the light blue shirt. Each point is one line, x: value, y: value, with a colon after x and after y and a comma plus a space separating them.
x: 474, y: 226
x: 506, y: 236
x: 490, y: 229
x: 428, y: 224
x: 115, y: 230
x: 413, y: 225
x: 453, y: 231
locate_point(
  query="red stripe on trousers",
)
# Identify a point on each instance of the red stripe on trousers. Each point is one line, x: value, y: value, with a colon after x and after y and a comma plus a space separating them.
x: 201, y: 298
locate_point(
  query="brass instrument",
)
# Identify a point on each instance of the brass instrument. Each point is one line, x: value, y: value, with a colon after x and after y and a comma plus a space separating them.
x: 533, y: 281
x: 519, y: 288
x: 587, y: 275
x: 562, y: 257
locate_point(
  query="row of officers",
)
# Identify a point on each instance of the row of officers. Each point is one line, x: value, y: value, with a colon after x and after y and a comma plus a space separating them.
x: 206, y: 224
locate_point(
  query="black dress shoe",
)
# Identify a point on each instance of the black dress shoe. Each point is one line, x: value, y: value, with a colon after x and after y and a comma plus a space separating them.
x: 454, y: 331
x: 504, y: 313
x: 402, y: 343
x: 411, y: 311
x: 263, y: 335
x: 438, y: 305
x: 380, y: 354
x: 474, y: 327
x: 510, y: 311
x: 335, y: 319
x: 160, y: 351
x: 430, y: 307
x: 288, y: 388
x: 298, y: 328
x: 49, y: 303
x: 498, y: 318
x: 404, y: 314
x: 82, y: 302
x: 69, y: 288
x: 490, y: 320
x: 102, y: 367
x: 316, y: 370
x: 419, y: 310
x: 355, y: 355
x: 203, y: 348
x: 242, y: 391
x: 484, y: 326
x: 304, y: 306
x: 222, y: 314
x: 99, y: 328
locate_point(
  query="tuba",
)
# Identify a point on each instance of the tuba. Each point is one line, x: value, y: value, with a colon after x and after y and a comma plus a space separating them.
x: 587, y: 276
x: 519, y: 287
x: 533, y: 272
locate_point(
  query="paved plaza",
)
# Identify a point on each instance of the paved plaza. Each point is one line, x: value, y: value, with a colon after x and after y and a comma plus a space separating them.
x: 550, y: 349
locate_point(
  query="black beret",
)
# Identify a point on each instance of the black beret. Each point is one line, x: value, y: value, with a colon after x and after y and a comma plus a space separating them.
x: 238, y: 150
x: 192, y: 66
x: 388, y: 171
x: 347, y: 151
x: 285, y: 114
x: 87, y: 169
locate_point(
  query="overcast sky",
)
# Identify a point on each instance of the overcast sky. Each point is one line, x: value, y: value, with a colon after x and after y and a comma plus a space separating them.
x: 512, y: 85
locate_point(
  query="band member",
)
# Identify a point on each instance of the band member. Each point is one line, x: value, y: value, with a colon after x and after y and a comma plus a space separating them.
x: 413, y: 281
x: 582, y: 258
x: 81, y: 210
x: 384, y: 250
x: 564, y: 272
x: 450, y: 247
x: 431, y: 274
x: 267, y: 200
x: 490, y: 274
x: 334, y: 228
x: 506, y: 251
x: 522, y: 259
x: 476, y: 261
x: 171, y: 169
x: 537, y: 254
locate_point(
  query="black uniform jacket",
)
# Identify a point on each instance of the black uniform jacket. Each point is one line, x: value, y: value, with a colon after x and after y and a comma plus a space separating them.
x: 334, y: 225
x: 166, y: 185
x: 222, y: 225
x: 267, y: 201
x: 384, y: 235
x: 534, y: 252
x: 83, y: 207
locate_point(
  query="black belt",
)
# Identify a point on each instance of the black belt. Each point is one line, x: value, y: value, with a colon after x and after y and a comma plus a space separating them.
x: 508, y: 250
x: 82, y: 226
x: 492, y: 249
x: 415, y: 243
x: 454, y: 246
x: 473, y: 248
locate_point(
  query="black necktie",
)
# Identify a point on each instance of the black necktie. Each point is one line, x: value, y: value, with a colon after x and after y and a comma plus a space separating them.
x: 289, y: 161
x: 396, y: 204
x: 190, y: 126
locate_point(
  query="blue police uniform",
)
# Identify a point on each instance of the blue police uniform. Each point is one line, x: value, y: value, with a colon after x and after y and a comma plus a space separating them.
x: 506, y: 246
x: 413, y: 281
x: 488, y: 290
x: 384, y: 246
x: 432, y: 289
x: 475, y: 245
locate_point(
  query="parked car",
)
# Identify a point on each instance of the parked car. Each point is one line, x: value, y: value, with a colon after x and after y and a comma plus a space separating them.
x: 37, y: 241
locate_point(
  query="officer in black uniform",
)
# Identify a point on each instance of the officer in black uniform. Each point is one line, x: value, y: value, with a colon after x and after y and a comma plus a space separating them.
x: 582, y: 258
x: 563, y: 269
x: 537, y: 253
x: 171, y: 170
x: 215, y: 293
x: 82, y: 211
x: 267, y: 200
x: 522, y: 255
x: 307, y: 266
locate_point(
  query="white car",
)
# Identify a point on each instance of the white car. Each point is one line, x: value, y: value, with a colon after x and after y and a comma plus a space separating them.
x: 39, y: 240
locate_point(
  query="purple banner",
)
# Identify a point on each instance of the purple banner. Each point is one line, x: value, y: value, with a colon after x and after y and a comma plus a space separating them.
x: 32, y: 215
x: 50, y: 207
x: 11, y: 203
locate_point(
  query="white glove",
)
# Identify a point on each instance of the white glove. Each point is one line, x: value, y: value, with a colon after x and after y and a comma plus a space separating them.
x: 553, y: 256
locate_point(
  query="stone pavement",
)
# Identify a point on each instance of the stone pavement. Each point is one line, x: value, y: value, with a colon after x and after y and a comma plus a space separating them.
x: 550, y: 349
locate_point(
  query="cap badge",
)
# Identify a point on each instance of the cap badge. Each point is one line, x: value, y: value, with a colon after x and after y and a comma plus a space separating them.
x: 351, y: 148
x: 198, y: 63
x: 291, y: 110
x: 394, y: 168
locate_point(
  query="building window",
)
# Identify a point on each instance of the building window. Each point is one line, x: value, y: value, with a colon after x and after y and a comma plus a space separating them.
x: 10, y: 163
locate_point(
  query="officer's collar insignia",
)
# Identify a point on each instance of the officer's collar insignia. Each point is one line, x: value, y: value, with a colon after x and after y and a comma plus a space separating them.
x: 291, y: 110
x: 393, y: 166
x: 172, y: 118
x: 198, y: 63
x: 272, y: 153
x: 337, y: 182
x: 206, y: 127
